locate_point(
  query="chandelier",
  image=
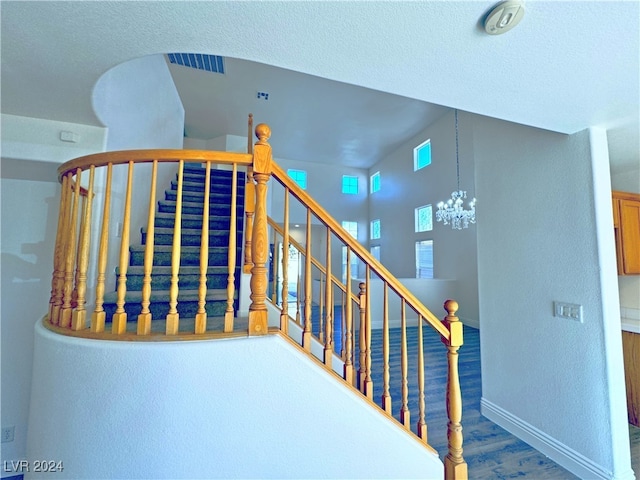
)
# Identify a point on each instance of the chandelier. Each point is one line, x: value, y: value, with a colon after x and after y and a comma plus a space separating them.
x: 452, y: 211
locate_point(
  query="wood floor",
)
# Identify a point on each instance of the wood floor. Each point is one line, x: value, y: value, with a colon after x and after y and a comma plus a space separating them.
x: 490, y: 451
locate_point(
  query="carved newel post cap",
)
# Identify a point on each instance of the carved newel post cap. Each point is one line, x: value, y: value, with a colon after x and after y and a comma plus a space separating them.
x: 263, y: 132
x: 451, y: 306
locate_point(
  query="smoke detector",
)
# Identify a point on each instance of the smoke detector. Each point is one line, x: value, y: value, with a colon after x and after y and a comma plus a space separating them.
x: 503, y: 17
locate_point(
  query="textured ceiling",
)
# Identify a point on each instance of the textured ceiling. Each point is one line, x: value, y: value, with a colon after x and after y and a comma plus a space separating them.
x: 567, y: 66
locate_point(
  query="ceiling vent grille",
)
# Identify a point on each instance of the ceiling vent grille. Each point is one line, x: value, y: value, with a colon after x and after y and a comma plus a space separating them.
x: 208, y: 63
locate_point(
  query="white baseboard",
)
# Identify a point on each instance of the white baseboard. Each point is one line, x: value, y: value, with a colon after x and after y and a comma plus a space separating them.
x: 564, y: 456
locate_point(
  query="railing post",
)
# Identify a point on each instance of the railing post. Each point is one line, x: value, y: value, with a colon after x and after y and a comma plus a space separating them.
x: 249, y: 204
x: 455, y: 468
x: 260, y: 240
x: 362, y: 371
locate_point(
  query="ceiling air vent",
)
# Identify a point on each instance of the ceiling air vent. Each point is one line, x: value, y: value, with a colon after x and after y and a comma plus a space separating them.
x: 208, y: 63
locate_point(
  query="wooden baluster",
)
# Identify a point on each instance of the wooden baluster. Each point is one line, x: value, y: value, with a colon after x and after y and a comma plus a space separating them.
x: 455, y: 467
x: 145, y: 317
x: 275, y: 265
x: 79, y: 316
x: 66, y: 310
x: 328, y: 334
x: 74, y: 293
x: 173, y: 317
x: 201, y: 315
x: 298, y: 292
x: 57, y: 281
x: 119, y: 320
x: 422, y: 423
x: 362, y: 371
x: 284, y: 313
x: 386, y: 395
x: 348, y: 334
x: 260, y: 241
x: 229, y: 314
x: 99, y: 315
x: 306, y: 334
x: 342, y: 324
x: 321, y: 310
x: 405, y: 415
x: 368, y: 388
x: 249, y: 203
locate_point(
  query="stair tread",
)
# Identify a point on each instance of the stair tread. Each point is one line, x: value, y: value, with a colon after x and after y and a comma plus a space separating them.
x: 184, y: 270
x: 187, y: 231
x: 162, y: 296
x: 184, y: 249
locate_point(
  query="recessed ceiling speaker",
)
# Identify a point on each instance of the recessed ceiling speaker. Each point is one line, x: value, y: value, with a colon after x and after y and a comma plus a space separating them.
x: 503, y: 17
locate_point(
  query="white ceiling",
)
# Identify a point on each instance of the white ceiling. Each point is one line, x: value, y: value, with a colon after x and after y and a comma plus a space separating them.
x: 567, y: 66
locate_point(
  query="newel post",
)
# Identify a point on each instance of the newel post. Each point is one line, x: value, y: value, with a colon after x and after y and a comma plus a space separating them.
x: 260, y: 240
x: 455, y: 468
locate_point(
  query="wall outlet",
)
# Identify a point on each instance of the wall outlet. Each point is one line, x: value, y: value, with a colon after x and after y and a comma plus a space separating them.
x: 8, y: 434
x: 572, y: 311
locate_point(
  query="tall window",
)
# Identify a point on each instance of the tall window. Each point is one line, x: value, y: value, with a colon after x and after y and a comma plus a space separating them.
x: 375, y: 230
x: 375, y: 182
x: 298, y: 176
x: 422, y: 155
x: 424, y: 259
x: 351, y: 227
x: 349, y: 185
x: 375, y: 251
x: 353, y: 259
x: 424, y: 218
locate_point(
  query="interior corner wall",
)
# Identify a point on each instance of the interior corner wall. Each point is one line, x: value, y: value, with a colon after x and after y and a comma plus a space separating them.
x: 403, y: 190
x: 543, y: 376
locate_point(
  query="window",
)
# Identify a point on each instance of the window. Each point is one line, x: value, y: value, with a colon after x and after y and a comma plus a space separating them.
x: 422, y: 155
x: 349, y: 185
x: 424, y: 259
x: 375, y: 251
x: 298, y: 176
x: 424, y: 218
x: 352, y: 228
x: 375, y: 230
x: 353, y: 259
x: 375, y: 182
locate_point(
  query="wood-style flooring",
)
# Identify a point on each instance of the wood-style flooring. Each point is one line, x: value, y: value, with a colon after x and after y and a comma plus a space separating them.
x: 490, y: 451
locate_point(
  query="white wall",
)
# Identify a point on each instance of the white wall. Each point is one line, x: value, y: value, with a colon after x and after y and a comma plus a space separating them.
x: 557, y: 383
x: 140, y: 107
x: 403, y: 190
x: 191, y: 416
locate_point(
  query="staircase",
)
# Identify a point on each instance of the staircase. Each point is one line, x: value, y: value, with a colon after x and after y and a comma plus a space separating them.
x: 189, y: 273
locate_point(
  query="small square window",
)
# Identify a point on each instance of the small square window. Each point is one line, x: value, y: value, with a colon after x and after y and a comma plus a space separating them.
x: 375, y: 182
x: 352, y: 228
x: 375, y: 229
x: 422, y: 155
x: 424, y: 218
x: 349, y: 185
x: 298, y: 176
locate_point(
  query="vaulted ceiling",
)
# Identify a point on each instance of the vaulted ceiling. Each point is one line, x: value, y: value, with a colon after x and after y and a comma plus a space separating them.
x: 347, y: 80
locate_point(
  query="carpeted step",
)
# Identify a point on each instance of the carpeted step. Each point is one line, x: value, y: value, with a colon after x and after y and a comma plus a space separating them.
x: 198, y: 197
x: 189, y: 255
x: 196, y: 184
x: 189, y: 237
x: 169, y: 206
x: 167, y: 220
x: 187, y: 303
x: 188, y: 277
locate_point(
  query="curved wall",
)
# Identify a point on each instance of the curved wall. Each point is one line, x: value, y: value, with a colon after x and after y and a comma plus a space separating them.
x: 235, y: 408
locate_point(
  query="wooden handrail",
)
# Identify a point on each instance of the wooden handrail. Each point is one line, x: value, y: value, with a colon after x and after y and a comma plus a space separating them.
x: 121, y: 157
x: 345, y: 237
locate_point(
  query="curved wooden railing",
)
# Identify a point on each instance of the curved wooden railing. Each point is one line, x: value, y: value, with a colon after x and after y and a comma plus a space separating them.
x: 329, y: 309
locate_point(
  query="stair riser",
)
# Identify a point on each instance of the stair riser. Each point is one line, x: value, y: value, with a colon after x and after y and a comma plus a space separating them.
x: 196, y: 184
x: 214, y: 210
x: 186, y: 259
x: 214, y: 223
x: 159, y: 310
x: 188, y: 240
x: 185, y: 282
x: 198, y: 197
